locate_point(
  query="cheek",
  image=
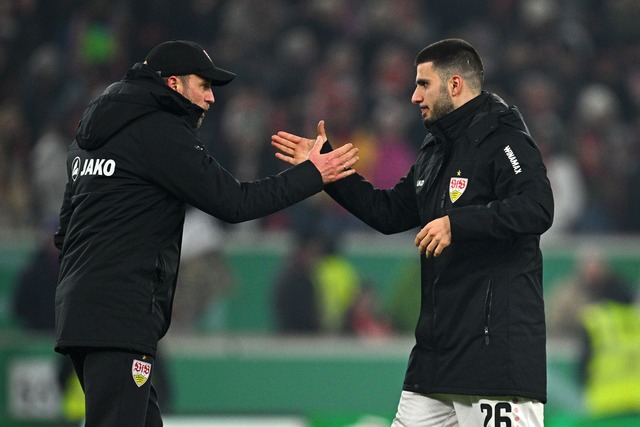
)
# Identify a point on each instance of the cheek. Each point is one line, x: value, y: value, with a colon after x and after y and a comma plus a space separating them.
x: 202, y: 96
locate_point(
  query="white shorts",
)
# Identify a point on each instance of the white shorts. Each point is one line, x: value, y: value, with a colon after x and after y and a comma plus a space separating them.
x: 449, y: 410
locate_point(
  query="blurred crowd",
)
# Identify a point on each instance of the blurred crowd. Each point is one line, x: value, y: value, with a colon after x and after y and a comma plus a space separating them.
x: 571, y: 66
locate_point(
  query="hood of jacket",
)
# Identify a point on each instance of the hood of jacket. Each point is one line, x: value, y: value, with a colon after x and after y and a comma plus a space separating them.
x: 139, y: 93
x: 476, y: 119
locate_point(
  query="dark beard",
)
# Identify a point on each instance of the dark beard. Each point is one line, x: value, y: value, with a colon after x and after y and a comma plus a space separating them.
x: 441, y: 107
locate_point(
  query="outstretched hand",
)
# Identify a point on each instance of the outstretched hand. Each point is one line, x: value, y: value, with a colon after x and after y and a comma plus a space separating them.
x: 334, y: 165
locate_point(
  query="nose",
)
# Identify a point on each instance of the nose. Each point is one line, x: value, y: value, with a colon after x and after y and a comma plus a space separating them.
x: 416, y: 98
x: 209, y: 98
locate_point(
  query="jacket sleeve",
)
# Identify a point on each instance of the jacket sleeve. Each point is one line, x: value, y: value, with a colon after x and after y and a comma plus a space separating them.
x: 177, y: 161
x: 524, y: 201
x: 388, y: 211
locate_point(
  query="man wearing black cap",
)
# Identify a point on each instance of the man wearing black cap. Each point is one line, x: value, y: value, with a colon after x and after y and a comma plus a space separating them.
x: 135, y: 163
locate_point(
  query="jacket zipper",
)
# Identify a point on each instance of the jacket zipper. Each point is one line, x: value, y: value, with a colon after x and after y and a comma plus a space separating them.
x: 487, y: 312
x: 159, y: 279
x: 442, y: 201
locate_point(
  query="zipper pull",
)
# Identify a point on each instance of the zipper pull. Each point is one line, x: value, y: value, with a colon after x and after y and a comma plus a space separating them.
x: 486, y: 335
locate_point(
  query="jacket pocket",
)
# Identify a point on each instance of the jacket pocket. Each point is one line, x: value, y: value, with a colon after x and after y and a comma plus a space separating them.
x: 487, y: 311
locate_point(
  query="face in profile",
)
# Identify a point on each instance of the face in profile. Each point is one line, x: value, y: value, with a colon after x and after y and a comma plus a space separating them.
x: 197, y: 90
x: 431, y: 94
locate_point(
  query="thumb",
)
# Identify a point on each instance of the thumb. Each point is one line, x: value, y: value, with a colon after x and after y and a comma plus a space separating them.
x: 321, y: 131
x: 317, y: 146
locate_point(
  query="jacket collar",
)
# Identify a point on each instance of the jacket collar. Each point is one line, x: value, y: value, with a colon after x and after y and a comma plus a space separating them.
x: 167, y: 98
x: 476, y: 119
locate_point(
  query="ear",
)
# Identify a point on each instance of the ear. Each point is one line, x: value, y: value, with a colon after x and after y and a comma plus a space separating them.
x: 173, y: 82
x: 455, y: 85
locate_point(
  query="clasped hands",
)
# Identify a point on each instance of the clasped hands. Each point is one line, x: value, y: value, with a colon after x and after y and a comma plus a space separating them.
x: 334, y: 165
x: 431, y: 240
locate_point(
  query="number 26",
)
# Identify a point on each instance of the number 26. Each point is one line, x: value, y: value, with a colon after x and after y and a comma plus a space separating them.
x: 500, y: 418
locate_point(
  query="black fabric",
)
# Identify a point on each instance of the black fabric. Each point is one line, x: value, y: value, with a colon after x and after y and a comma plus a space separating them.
x: 481, y: 329
x: 135, y: 165
x: 181, y: 57
x: 113, y: 398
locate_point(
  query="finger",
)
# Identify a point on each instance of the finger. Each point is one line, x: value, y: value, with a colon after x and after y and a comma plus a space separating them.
x: 438, y: 250
x: 422, y: 245
x: 346, y: 173
x: 349, y: 158
x: 317, y: 145
x: 345, y: 154
x: 283, y: 142
x: 351, y: 162
x: 287, y: 135
x: 285, y: 149
x: 431, y: 248
x: 285, y: 158
x: 321, y: 131
x: 342, y: 150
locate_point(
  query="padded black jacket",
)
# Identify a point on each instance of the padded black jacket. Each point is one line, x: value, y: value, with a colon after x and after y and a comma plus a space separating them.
x: 135, y: 164
x: 481, y: 329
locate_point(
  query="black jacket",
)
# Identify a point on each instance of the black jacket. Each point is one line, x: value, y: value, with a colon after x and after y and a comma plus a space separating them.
x: 135, y: 163
x: 481, y: 329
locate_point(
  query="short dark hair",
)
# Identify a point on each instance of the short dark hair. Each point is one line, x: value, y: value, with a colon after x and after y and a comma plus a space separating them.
x: 454, y: 56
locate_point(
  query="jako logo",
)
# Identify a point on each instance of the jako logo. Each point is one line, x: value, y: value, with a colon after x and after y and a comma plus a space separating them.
x: 92, y: 167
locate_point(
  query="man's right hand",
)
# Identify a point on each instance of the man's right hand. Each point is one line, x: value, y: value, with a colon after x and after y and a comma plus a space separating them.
x: 334, y: 165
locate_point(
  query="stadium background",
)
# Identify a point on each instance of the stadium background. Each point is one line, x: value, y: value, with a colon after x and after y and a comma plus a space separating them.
x: 571, y: 66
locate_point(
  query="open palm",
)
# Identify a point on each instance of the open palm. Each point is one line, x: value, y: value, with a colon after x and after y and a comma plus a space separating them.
x: 295, y: 149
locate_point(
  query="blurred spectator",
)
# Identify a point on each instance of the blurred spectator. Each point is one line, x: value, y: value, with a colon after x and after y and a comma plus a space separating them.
x: 366, y: 316
x: 602, y: 144
x: 33, y: 303
x: 595, y: 307
x: 48, y: 173
x: 14, y: 165
x: 317, y: 286
x: 34, y: 308
x: 337, y: 285
x: 610, y: 359
x: 404, y: 305
x: 295, y: 298
x: 204, y: 275
x: 393, y: 155
x: 592, y: 281
x: 543, y: 103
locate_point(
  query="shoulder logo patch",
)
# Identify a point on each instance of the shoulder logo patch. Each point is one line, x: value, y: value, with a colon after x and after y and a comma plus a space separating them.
x: 512, y: 158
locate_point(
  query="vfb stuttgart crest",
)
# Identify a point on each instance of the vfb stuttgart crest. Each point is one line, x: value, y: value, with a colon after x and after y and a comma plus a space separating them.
x: 140, y: 371
x: 457, y: 187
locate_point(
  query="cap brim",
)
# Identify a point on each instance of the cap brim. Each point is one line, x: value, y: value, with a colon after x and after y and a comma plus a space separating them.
x: 217, y: 76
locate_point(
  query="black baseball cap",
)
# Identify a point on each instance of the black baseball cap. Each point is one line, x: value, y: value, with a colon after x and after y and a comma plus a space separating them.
x: 182, y: 57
